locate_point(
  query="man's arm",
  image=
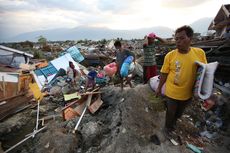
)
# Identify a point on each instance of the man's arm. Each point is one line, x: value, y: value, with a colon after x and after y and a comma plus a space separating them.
x: 67, y: 71
x: 134, y: 58
x: 163, y: 78
x: 161, y: 40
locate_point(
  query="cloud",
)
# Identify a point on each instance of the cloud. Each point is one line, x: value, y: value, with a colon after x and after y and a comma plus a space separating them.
x: 115, y: 5
x: 20, y: 16
x: 15, y: 5
x: 18, y: 5
x: 29, y: 15
x: 76, y: 5
x: 181, y: 3
x: 107, y: 5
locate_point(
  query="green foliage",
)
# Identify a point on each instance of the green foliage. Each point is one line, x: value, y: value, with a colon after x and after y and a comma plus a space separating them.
x: 42, y: 40
x: 80, y: 41
x: 103, y: 41
x: 49, y: 58
x: 38, y: 54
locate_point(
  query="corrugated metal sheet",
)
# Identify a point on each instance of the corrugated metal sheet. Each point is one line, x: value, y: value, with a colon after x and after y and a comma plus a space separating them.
x: 46, y: 71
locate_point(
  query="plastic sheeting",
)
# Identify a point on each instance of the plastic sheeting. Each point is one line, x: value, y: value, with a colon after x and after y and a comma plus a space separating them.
x: 58, y: 63
x: 63, y: 62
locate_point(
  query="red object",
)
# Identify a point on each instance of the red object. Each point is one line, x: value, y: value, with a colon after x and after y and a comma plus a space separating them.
x: 69, y: 113
x: 151, y: 35
x: 110, y: 69
x: 145, y: 44
x: 100, y: 75
x: 149, y: 72
x: 208, y: 104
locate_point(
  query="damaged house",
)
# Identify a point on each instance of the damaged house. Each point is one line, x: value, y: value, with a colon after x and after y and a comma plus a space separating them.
x: 14, y: 82
x: 221, y: 22
x: 218, y: 49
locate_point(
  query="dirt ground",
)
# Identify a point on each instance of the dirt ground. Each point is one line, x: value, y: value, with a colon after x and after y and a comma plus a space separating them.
x: 125, y: 123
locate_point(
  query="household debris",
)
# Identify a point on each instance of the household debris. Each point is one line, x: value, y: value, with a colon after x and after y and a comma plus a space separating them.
x: 103, y: 118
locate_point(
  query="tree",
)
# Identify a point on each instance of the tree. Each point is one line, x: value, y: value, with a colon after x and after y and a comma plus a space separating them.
x: 103, y: 41
x: 38, y: 54
x: 42, y: 40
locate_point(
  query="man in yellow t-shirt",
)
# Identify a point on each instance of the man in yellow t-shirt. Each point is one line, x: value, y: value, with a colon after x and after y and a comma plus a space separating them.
x: 178, y: 73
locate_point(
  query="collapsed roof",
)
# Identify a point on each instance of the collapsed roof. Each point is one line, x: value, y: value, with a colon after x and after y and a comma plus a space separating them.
x: 221, y: 19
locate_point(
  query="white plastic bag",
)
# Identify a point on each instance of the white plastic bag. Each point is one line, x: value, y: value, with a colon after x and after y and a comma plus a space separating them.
x: 204, y: 81
x: 154, y: 82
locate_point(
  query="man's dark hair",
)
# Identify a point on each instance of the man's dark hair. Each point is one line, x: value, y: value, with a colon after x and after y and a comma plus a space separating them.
x: 188, y: 30
x: 70, y: 62
x: 117, y: 43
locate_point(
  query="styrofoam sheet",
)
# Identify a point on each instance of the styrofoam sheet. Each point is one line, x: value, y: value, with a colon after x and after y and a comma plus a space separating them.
x: 63, y: 62
x: 9, y: 77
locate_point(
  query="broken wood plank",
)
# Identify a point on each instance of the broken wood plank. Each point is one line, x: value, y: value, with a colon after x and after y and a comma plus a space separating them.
x: 69, y: 113
x: 87, y: 104
x: 90, y: 93
x: 68, y: 97
x: 12, y: 104
x: 95, y: 105
x: 4, y: 86
x: 48, y: 118
x: 79, y: 100
x: 74, y: 102
x: 79, y: 109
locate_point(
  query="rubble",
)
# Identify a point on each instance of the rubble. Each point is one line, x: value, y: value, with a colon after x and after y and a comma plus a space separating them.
x: 126, y: 122
x: 101, y: 118
x: 14, y: 81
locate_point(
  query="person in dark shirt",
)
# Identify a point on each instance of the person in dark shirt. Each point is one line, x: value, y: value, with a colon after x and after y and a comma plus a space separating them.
x: 121, y: 55
x: 90, y: 80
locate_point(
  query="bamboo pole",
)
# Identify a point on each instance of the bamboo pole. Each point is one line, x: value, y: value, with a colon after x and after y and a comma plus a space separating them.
x: 36, y: 128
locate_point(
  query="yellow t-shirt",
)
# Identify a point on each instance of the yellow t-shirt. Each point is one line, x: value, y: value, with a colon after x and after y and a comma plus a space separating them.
x: 181, y: 70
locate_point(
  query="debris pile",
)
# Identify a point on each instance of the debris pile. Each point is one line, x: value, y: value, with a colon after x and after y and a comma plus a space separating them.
x: 70, y: 100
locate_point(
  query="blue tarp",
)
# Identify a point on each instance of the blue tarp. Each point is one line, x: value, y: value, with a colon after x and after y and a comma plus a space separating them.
x: 75, y: 54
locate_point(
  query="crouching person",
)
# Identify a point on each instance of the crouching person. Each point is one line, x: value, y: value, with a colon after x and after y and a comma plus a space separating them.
x: 73, y: 75
x: 90, y: 80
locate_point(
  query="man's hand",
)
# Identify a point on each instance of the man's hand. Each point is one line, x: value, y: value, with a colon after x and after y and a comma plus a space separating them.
x: 158, y: 92
x: 163, y: 78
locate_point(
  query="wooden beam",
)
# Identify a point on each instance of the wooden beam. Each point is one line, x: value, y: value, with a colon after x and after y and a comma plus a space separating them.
x: 4, y: 87
x: 1, y: 87
x: 8, y: 98
x: 90, y: 93
x: 87, y: 105
x: 227, y: 13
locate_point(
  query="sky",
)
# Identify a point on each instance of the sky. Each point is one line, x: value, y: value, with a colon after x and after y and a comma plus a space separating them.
x: 20, y: 16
